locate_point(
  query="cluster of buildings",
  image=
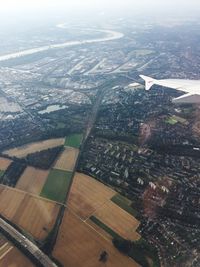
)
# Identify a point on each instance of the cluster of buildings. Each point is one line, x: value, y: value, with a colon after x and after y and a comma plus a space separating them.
x: 143, y: 146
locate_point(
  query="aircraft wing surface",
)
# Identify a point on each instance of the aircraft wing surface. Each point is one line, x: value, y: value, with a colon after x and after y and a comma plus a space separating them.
x: 190, y: 87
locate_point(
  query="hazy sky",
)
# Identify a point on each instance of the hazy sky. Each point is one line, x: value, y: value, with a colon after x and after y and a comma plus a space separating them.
x: 39, y: 9
x: 41, y: 4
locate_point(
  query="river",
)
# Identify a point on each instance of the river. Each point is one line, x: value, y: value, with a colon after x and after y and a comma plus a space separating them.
x: 109, y: 36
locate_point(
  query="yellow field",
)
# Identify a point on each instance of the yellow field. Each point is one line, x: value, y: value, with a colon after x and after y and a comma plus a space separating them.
x: 4, y: 163
x: 99, y: 230
x: 23, y: 151
x: 10, y: 256
x: 118, y: 220
x: 87, y: 195
x: 32, y: 180
x: 33, y: 214
x: 79, y: 245
x: 67, y: 159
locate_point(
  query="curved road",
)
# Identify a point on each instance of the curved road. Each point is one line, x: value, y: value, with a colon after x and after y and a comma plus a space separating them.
x: 110, y: 35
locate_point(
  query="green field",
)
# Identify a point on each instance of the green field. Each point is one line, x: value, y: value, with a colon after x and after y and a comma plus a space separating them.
x: 171, y: 121
x: 74, y: 140
x: 104, y: 227
x: 124, y: 203
x: 57, y: 185
x: 1, y: 173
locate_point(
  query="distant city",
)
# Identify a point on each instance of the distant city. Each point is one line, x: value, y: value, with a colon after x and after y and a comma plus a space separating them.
x: 96, y: 158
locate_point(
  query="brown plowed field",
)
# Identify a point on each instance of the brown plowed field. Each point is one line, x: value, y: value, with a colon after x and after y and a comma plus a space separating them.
x: 4, y: 163
x: 67, y: 159
x: 79, y: 245
x: 118, y: 220
x: 23, y: 151
x: 87, y: 195
x: 32, y: 180
x: 14, y: 258
x: 10, y: 256
x: 33, y: 214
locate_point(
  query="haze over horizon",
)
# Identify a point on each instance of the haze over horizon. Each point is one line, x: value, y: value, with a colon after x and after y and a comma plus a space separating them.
x: 39, y: 10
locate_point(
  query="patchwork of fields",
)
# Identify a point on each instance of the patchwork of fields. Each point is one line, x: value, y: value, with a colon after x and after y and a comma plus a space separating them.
x: 90, y: 222
x: 88, y: 197
x: 78, y: 236
x: 31, y: 213
x: 94, y: 215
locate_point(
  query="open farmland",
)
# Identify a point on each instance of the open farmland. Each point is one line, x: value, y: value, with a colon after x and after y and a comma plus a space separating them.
x: 87, y: 195
x: 67, y: 159
x: 32, y: 180
x: 15, y: 259
x: 76, y: 235
x: 118, y: 220
x: 10, y: 256
x: 74, y: 140
x: 31, y: 213
x: 23, y: 151
x: 4, y: 163
x: 57, y: 185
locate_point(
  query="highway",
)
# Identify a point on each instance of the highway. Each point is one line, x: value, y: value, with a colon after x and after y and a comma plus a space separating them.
x: 26, y: 245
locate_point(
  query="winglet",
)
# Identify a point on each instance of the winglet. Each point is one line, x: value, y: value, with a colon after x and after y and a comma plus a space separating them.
x: 149, y: 82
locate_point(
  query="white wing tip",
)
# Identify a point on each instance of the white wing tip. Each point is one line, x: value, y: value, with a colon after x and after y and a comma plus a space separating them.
x: 149, y: 82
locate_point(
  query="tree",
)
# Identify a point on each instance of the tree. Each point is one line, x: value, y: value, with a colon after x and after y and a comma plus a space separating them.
x: 122, y: 245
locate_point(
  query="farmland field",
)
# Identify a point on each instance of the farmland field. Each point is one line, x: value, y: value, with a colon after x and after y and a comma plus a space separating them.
x: 118, y: 220
x: 32, y: 180
x: 77, y: 236
x: 74, y: 140
x: 31, y: 213
x: 15, y: 259
x: 10, y: 256
x: 23, y: 151
x: 56, y: 185
x: 4, y: 163
x: 87, y: 195
x: 124, y: 203
x: 67, y: 159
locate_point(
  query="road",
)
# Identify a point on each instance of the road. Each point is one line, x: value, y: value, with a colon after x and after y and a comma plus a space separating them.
x: 26, y: 245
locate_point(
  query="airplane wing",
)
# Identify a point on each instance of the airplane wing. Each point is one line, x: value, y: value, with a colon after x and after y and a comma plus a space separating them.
x: 187, y: 98
x: 170, y: 83
x: 190, y: 87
